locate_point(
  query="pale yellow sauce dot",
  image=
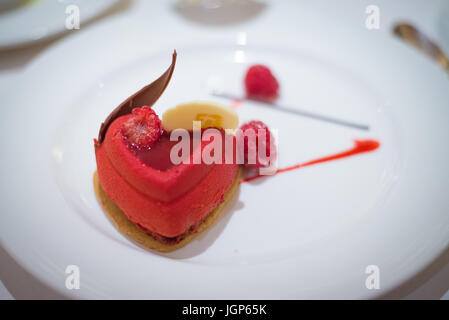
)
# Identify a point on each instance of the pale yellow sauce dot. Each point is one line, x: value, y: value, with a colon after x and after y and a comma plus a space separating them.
x: 210, y: 114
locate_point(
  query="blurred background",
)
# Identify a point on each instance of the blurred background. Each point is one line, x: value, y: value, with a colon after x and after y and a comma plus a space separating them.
x: 30, y: 28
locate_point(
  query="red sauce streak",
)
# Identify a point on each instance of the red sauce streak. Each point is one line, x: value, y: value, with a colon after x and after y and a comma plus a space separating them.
x: 360, y: 146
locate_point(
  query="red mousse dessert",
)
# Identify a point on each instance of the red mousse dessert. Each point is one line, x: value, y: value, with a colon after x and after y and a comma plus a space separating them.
x: 157, y: 203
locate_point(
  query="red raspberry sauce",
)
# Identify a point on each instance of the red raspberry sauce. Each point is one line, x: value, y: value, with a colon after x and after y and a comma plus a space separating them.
x: 360, y: 146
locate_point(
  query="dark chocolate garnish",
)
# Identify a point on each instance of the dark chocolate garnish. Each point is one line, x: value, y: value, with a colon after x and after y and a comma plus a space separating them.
x: 146, y: 96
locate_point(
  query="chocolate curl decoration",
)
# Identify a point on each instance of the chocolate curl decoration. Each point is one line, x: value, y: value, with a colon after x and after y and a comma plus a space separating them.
x: 146, y: 96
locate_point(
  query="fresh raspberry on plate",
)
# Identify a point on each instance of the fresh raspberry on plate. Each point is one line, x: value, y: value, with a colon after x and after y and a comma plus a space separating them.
x: 143, y: 128
x: 256, y: 136
x: 261, y: 84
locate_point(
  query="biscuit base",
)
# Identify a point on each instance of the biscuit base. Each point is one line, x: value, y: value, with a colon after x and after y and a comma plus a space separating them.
x: 127, y: 227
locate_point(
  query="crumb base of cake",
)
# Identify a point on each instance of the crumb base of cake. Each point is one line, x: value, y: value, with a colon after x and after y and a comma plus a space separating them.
x: 127, y: 227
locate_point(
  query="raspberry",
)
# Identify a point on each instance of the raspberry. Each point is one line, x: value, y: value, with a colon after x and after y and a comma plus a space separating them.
x: 251, y: 146
x: 261, y: 84
x: 142, y: 129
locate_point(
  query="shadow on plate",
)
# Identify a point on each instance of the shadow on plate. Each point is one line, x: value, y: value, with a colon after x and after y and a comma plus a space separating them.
x: 206, y: 238
x: 21, y: 284
x: 432, y: 281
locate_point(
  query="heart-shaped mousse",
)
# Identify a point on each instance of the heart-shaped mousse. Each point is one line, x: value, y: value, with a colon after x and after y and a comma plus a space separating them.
x: 155, y: 194
x: 135, y: 170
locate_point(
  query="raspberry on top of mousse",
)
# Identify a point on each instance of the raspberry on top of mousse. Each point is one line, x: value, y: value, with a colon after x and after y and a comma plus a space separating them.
x: 257, y: 135
x: 142, y: 129
x: 260, y: 83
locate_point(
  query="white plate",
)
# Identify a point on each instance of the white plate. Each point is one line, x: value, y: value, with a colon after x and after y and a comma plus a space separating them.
x: 36, y: 20
x: 306, y: 234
